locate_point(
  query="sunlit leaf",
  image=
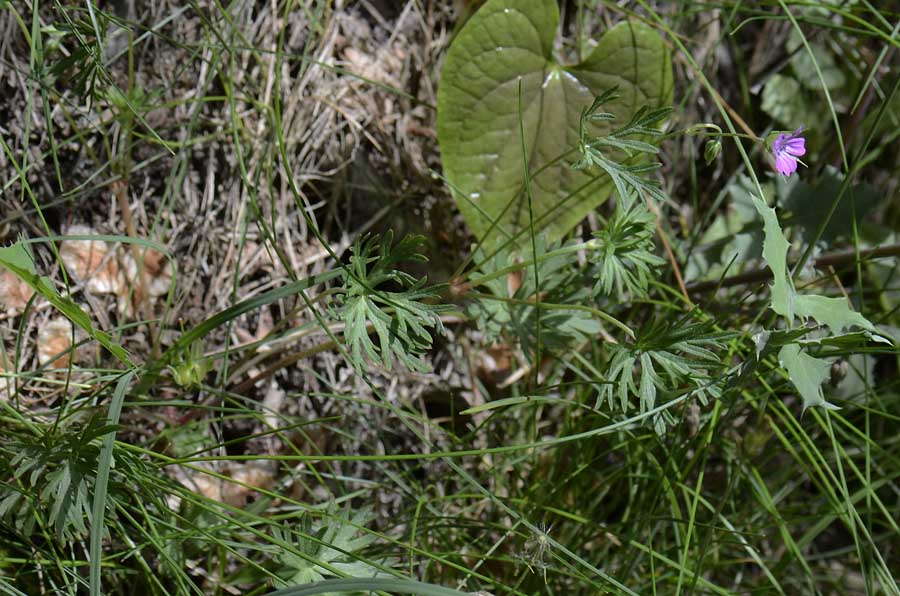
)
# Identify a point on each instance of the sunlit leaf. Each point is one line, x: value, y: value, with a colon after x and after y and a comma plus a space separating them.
x: 403, y: 321
x: 508, y: 42
x: 775, y: 249
x: 835, y: 313
x: 807, y: 374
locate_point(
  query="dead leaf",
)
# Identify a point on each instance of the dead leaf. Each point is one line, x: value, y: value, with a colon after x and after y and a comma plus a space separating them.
x: 383, y: 68
x: 54, y: 343
x: 203, y: 484
x: 157, y: 272
x: 91, y: 262
x: 253, y: 475
x: 14, y: 293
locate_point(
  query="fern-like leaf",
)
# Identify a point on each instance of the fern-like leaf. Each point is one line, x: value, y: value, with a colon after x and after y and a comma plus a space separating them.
x: 678, y: 356
x: 625, y: 250
x: 391, y: 305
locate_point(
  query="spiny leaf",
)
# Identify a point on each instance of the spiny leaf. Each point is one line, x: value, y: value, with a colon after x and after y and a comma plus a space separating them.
x: 835, y: 313
x: 775, y: 249
x: 807, y: 374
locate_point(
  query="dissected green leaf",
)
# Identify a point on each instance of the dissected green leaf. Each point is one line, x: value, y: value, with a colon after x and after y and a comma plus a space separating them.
x: 511, y: 41
x: 807, y: 374
x: 333, y: 543
x: 57, y: 471
x: 621, y: 153
x: 18, y: 260
x: 509, y: 313
x: 625, y: 252
x: 402, y: 320
x: 672, y: 355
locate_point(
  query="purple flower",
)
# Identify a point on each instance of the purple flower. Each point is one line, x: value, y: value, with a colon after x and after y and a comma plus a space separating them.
x: 787, y: 148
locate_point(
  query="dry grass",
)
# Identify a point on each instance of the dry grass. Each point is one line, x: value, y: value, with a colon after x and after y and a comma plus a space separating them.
x: 253, y: 148
x: 354, y: 88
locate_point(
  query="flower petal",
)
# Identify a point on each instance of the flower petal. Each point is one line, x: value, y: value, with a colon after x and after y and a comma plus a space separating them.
x: 785, y: 164
x: 779, y: 143
x: 795, y: 146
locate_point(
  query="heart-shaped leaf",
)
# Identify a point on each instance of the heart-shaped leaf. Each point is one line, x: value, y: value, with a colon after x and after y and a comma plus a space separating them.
x: 503, y: 55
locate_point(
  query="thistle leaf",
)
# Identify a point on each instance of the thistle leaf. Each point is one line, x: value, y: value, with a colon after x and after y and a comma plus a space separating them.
x: 807, y: 374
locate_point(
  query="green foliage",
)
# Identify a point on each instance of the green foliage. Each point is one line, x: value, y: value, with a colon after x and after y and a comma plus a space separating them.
x: 711, y: 151
x: 832, y: 312
x: 625, y: 250
x: 804, y: 504
x: 82, y: 64
x: 125, y: 107
x: 57, y: 470
x: 775, y: 250
x: 804, y: 201
x: 807, y: 374
x: 733, y: 239
x: 508, y: 312
x: 402, y: 319
x: 332, y: 546
x: 595, y: 150
x: 788, y: 103
x: 667, y: 357
x: 795, y: 96
x: 387, y: 585
x: 511, y: 41
x: 805, y: 70
x: 190, y: 367
x: 805, y: 371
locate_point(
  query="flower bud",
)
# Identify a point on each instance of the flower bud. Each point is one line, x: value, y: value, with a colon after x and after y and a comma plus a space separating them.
x: 712, y: 151
x: 190, y: 370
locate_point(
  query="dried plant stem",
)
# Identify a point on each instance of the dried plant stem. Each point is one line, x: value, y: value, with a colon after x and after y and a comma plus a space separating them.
x: 829, y: 260
x: 671, y: 255
x: 119, y: 188
x: 286, y: 361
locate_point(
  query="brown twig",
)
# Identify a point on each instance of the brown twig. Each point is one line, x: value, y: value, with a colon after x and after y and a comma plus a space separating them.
x: 120, y: 190
x: 289, y: 359
x: 829, y: 260
x: 670, y: 254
